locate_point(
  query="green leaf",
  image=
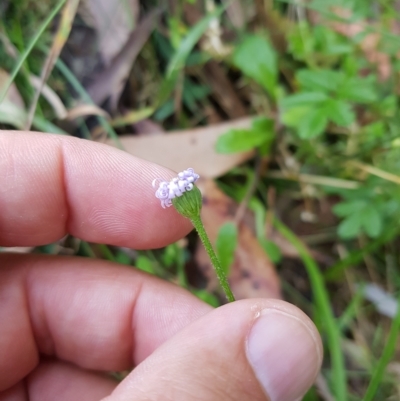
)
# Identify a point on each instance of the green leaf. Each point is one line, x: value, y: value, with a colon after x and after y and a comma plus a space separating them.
x: 388, y: 106
x: 344, y: 209
x: 145, y: 264
x: 271, y: 249
x: 338, y: 49
x: 372, y: 221
x: 340, y: 112
x: 292, y: 117
x: 262, y: 124
x: 226, y: 244
x: 303, y: 99
x: 164, y: 111
x: 123, y: 258
x: 178, y: 60
x: 320, y: 80
x: 265, y: 125
x: 351, y: 226
x: 171, y: 255
x: 256, y: 58
x: 313, y: 123
x: 240, y: 140
x: 205, y: 296
x: 132, y: 117
x: 358, y: 90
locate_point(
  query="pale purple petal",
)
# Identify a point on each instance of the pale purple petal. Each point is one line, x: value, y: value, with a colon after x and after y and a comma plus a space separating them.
x: 176, y: 187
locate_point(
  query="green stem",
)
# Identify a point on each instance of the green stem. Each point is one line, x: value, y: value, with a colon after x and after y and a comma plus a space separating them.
x: 198, y: 225
x: 324, y: 309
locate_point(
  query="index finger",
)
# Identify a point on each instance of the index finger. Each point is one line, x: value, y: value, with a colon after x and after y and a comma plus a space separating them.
x: 52, y: 185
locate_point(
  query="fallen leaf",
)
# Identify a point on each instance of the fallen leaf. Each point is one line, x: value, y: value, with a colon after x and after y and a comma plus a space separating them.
x: 252, y: 274
x: 113, y: 20
x: 148, y: 127
x: 84, y: 110
x: 110, y: 81
x: 194, y: 148
x: 13, y: 94
x: 236, y: 14
x: 12, y: 108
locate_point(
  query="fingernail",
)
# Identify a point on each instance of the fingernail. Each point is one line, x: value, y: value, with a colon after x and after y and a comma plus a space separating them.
x: 284, y: 354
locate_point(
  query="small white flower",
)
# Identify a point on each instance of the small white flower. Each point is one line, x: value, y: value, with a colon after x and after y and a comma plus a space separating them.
x: 167, y: 191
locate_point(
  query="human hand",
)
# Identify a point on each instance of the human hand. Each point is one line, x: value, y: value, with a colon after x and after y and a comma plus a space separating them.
x: 65, y: 320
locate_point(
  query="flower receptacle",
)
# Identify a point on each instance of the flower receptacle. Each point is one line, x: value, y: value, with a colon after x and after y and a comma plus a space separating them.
x: 189, y: 203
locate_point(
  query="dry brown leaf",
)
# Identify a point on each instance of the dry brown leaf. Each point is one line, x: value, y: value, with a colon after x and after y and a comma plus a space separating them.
x: 13, y: 94
x: 12, y: 108
x: 149, y: 127
x: 113, y: 20
x: 84, y: 110
x: 110, y: 81
x: 252, y: 274
x: 194, y: 148
x: 236, y: 13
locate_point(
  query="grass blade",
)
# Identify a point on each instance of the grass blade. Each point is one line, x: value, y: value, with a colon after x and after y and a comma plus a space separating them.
x: 387, y: 355
x: 67, y: 18
x: 324, y: 309
x: 31, y: 45
x: 189, y: 42
x: 178, y: 60
x: 70, y: 77
x: 357, y: 256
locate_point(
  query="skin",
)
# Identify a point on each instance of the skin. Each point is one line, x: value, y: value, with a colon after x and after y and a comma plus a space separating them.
x: 66, y: 321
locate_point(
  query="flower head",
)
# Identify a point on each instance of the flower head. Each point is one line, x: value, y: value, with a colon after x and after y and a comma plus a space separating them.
x: 167, y: 191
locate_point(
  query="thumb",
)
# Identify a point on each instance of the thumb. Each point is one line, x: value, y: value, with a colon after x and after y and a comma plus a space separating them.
x: 253, y: 349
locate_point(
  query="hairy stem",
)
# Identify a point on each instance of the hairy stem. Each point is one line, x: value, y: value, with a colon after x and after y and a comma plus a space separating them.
x: 198, y: 225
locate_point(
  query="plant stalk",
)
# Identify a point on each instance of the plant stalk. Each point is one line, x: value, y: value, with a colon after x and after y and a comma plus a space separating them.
x: 198, y: 225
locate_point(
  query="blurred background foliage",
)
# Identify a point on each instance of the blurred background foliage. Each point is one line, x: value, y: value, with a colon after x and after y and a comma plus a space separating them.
x: 289, y: 111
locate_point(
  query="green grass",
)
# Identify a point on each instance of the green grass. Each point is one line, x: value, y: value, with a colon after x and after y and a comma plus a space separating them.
x: 30, y: 47
x: 327, y: 146
x: 323, y: 312
x: 72, y: 80
x: 387, y: 355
